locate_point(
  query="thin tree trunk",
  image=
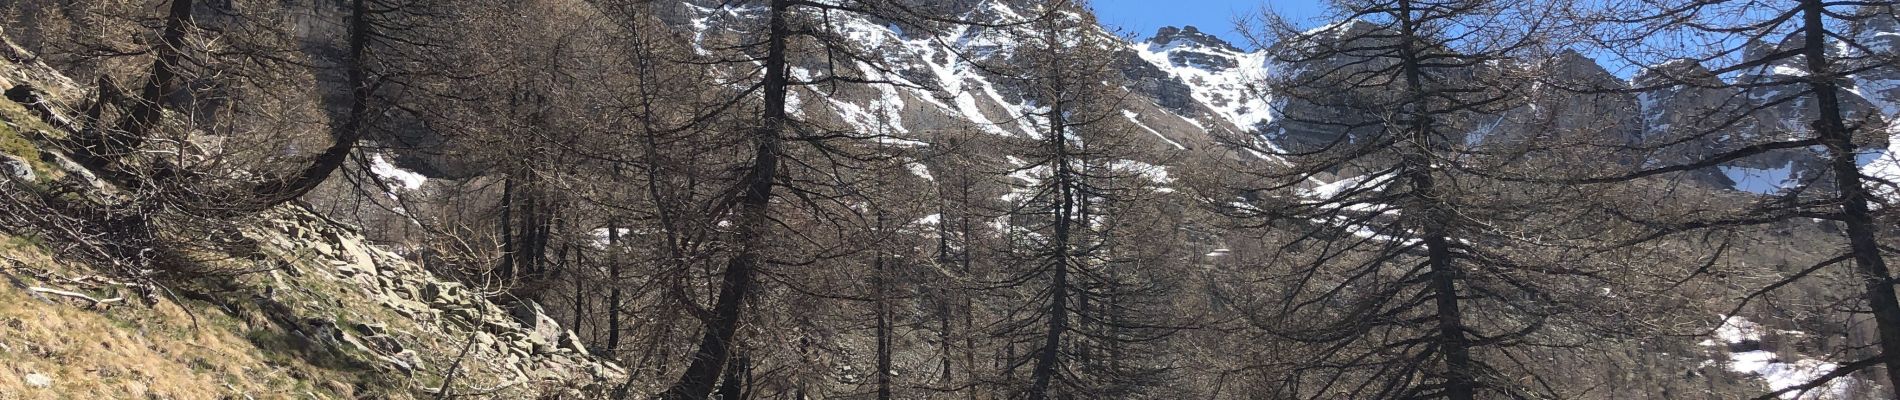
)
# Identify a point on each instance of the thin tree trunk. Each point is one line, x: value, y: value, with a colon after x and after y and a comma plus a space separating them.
x: 580, y: 291
x: 1460, y: 381
x: 1861, y: 226
x: 736, y: 283
x: 883, y: 319
x: 968, y: 303
x: 1082, y: 323
x: 506, y: 272
x: 944, y: 311
x: 572, y: 270
x: 1115, y: 351
x: 947, y: 295
x: 524, y: 215
x: 613, y: 283
x: 1049, y: 358
x: 541, y: 215
x: 531, y: 234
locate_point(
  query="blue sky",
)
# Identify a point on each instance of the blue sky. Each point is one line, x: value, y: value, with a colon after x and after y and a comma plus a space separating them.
x: 1142, y: 17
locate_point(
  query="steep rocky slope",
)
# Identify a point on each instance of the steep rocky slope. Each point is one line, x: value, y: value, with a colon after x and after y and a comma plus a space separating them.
x: 287, y: 304
x: 328, y: 316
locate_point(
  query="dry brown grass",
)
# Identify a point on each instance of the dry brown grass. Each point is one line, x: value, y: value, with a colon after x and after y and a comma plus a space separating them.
x: 135, y: 351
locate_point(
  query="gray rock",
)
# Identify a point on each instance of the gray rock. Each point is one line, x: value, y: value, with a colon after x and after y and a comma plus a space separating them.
x: 372, y: 329
x: 410, y: 292
x: 386, y: 344
x: 572, y: 341
x: 17, y: 169
x: 348, y: 269
x: 464, y: 314
x: 431, y: 292
x: 324, y: 250
x: 38, y: 381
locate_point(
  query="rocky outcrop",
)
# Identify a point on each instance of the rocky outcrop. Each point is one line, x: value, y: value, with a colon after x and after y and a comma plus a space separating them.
x: 1168, y: 92
x: 335, y: 287
x: 1205, y: 51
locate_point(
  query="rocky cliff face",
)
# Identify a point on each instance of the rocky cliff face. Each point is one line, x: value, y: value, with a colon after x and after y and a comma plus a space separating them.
x: 1698, y: 112
x: 1218, y: 77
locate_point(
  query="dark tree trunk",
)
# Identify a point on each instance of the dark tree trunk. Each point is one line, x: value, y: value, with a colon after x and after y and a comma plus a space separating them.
x: 945, y: 308
x: 530, y: 231
x: 968, y: 302
x: 1862, y: 229
x: 1460, y: 382
x: 883, y: 319
x: 753, y: 207
x: 533, y: 230
x: 506, y: 272
x: 344, y: 136
x: 737, y: 378
x: 1116, y: 347
x: 526, y: 231
x: 1082, y: 323
x: 613, y: 291
x: 544, y: 228
x: 1049, y: 356
x: 574, y: 268
x: 144, y: 114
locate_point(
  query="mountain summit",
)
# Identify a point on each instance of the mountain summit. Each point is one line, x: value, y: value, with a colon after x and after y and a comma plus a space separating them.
x: 1189, y: 36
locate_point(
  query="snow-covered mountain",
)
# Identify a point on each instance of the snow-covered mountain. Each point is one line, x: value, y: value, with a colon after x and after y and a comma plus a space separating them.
x: 1190, y: 86
x: 1193, y: 89
x: 1215, y: 74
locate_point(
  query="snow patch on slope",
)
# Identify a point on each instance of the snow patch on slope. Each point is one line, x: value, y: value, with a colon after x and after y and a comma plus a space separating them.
x: 1230, y: 92
x: 1737, y: 333
x: 390, y: 173
x: 1885, y: 169
x: 1156, y: 174
x: 920, y: 170
x: 1136, y: 119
